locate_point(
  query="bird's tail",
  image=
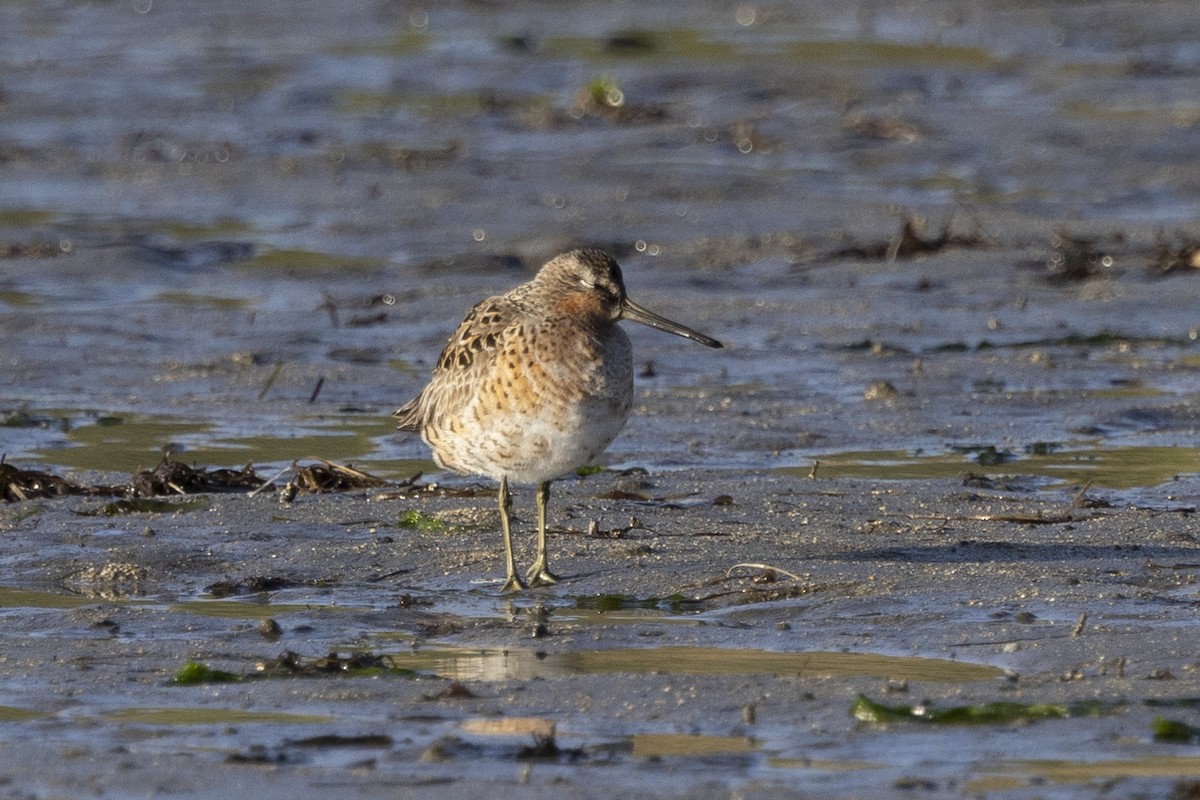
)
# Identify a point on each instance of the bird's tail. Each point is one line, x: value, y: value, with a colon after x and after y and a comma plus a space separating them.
x: 408, y: 416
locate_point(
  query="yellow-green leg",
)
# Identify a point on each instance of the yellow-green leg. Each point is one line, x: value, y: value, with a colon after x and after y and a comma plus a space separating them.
x: 513, y: 582
x: 539, y: 574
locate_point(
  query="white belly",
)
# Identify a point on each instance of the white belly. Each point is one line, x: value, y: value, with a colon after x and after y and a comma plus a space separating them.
x: 573, y: 412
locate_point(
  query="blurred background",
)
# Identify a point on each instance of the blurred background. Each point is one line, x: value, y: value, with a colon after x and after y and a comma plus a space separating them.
x: 242, y: 230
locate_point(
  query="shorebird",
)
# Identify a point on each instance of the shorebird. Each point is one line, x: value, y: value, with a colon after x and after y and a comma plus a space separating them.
x: 534, y: 384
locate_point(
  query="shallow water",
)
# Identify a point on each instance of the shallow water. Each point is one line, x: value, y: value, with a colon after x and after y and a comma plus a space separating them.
x: 235, y: 233
x: 531, y: 665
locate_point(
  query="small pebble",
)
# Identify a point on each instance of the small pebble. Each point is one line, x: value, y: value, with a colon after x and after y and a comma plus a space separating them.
x: 269, y: 629
x: 880, y: 390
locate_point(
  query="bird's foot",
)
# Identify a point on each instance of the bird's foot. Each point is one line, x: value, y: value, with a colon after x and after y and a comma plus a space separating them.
x: 540, y: 575
x: 512, y: 584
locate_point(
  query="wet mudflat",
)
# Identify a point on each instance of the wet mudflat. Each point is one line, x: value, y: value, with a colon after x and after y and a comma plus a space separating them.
x: 927, y: 526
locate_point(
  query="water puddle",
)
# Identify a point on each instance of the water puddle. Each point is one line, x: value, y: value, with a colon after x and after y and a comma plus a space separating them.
x: 252, y: 609
x: 824, y: 764
x: 1126, y: 467
x: 661, y: 745
x: 26, y: 217
x: 19, y: 299
x: 33, y: 598
x: 256, y: 607
x: 212, y: 716
x: 681, y: 44
x: 195, y: 300
x: 297, y: 259
x: 1039, y: 770
x: 128, y: 443
x: 13, y: 714
x: 499, y: 665
x: 674, y: 617
x: 255, y: 604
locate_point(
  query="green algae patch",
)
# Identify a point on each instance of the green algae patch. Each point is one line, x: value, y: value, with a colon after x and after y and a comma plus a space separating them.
x: 415, y: 520
x: 1174, y: 731
x: 605, y: 91
x: 194, y: 673
x: 865, y: 709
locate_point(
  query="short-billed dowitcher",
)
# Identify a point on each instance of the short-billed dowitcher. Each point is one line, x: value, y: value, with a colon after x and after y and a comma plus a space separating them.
x: 534, y: 384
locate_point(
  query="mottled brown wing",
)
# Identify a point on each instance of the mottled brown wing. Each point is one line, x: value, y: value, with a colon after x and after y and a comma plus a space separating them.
x: 466, y: 352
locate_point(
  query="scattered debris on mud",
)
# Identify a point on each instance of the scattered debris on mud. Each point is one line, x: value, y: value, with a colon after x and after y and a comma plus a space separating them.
x: 176, y: 478
x: 168, y: 478
x: 1180, y: 256
x: 325, y: 476
x: 866, y: 710
x: 19, y: 484
x: 363, y: 664
x: 910, y: 241
x: 603, y: 98
x: 1076, y: 258
x: 881, y: 128
x: 255, y: 584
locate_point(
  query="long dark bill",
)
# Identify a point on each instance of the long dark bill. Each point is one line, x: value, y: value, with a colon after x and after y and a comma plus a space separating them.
x: 631, y: 310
